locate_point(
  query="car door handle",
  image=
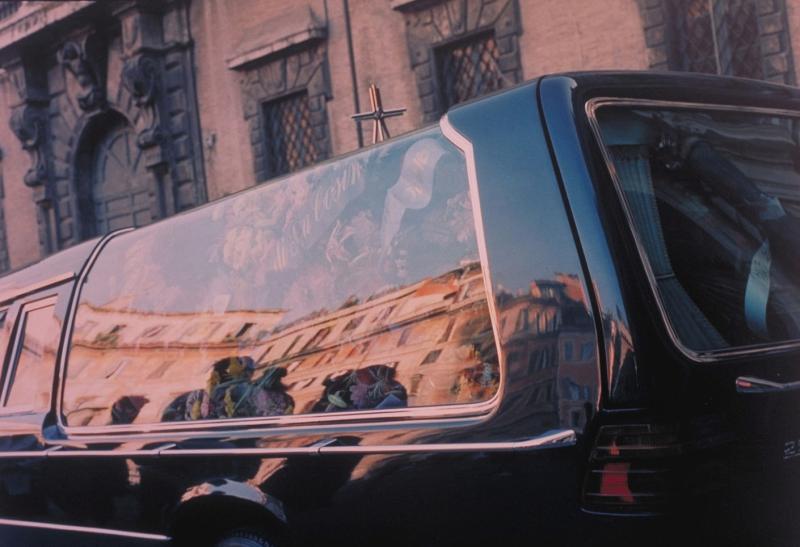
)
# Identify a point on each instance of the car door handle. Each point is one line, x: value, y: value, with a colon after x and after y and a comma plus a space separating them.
x: 751, y: 384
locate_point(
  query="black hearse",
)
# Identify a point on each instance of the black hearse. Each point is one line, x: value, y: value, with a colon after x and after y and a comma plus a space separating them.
x: 568, y: 313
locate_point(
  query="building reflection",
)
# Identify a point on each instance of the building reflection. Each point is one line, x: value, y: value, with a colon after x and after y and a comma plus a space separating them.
x: 550, y: 343
x: 552, y: 378
x: 428, y: 343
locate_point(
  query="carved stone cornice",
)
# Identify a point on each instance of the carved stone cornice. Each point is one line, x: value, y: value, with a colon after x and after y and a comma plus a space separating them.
x: 140, y: 76
x: 141, y: 24
x: 29, y: 124
x: 293, y: 31
x: 402, y: 5
x: 33, y: 17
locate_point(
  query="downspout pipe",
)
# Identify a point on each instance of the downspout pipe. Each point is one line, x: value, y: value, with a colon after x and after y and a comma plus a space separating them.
x: 353, y: 77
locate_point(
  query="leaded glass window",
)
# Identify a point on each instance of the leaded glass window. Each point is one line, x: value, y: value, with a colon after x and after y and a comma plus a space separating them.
x: 290, y: 143
x: 719, y: 37
x: 468, y: 68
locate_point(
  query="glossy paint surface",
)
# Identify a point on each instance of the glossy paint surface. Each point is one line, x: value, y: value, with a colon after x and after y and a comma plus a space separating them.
x: 591, y: 230
x: 348, y: 477
x: 736, y: 484
x: 566, y: 305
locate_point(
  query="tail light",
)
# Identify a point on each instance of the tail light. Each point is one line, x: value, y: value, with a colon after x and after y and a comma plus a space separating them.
x: 633, y: 469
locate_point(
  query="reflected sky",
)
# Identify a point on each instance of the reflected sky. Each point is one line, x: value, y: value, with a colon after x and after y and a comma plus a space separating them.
x: 374, y: 221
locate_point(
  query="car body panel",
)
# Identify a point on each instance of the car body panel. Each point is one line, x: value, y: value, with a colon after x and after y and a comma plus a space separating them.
x: 551, y: 243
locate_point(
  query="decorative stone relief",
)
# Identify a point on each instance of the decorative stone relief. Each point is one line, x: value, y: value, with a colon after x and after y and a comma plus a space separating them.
x: 140, y: 77
x: 90, y: 78
x: 29, y: 125
x: 128, y: 62
x: 28, y: 119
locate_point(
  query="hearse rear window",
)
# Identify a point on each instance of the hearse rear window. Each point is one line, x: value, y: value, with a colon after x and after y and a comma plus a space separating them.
x: 714, y: 197
x: 339, y: 288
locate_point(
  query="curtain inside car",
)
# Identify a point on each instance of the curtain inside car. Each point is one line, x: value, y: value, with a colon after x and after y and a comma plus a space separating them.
x: 632, y: 163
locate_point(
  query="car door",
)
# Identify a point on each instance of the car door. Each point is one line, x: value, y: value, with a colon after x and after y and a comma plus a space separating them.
x: 41, y: 500
x: 727, y: 285
x: 693, y: 185
x: 33, y: 330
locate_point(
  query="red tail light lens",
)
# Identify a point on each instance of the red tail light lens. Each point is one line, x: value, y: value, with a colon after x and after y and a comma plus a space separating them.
x: 633, y: 469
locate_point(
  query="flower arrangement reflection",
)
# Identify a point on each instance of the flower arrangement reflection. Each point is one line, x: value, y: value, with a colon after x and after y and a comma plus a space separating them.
x: 231, y: 392
x: 362, y: 389
x: 476, y: 383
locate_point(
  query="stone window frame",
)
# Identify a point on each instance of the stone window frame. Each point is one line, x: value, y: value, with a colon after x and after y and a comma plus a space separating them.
x: 272, y: 107
x: 280, y: 75
x: 430, y: 25
x: 663, y: 41
x: 440, y: 49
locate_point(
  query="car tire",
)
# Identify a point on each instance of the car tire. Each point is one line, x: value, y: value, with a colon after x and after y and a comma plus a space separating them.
x: 244, y: 538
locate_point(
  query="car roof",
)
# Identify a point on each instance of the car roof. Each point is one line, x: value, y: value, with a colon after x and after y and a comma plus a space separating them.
x: 63, y: 264
x: 681, y: 86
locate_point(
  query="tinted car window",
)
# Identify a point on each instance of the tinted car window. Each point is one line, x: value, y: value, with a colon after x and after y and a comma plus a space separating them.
x: 31, y: 376
x: 354, y: 285
x: 714, y: 197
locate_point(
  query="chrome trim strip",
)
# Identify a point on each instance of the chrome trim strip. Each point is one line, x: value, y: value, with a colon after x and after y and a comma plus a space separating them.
x: 266, y: 430
x: 23, y: 454
x: 591, y: 108
x: 751, y: 384
x: 16, y: 350
x: 15, y: 294
x: 217, y: 427
x: 83, y: 529
x: 279, y: 424
x: 465, y: 145
x: 551, y: 439
x: 104, y: 453
x: 69, y: 321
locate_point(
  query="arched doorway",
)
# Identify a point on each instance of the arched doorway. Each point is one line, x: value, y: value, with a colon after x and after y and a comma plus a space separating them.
x: 113, y: 182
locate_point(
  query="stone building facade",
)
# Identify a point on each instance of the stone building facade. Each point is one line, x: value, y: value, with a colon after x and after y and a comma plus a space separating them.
x: 122, y: 112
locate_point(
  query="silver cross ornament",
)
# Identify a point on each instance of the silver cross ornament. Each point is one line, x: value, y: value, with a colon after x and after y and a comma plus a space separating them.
x: 378, y: 115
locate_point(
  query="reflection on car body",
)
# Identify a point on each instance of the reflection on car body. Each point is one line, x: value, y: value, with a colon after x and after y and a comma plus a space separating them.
x: 535, y: 320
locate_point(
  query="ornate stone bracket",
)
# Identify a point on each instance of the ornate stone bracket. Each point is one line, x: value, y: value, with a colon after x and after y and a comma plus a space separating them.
x: 92, y: 83
x: 141, y: 78
x: 28, y: 123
